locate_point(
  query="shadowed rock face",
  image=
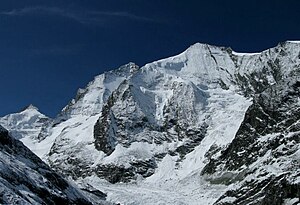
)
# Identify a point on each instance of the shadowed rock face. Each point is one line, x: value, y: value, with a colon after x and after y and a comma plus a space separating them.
x: 125, y: 119
x: 272, y: 190
x: 114, y: 174
x: 268, y: 137
x: 268, y: 114
x: 25, y: 179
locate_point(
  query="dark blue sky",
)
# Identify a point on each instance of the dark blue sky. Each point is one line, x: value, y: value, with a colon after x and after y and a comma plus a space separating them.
x: 48, y: 49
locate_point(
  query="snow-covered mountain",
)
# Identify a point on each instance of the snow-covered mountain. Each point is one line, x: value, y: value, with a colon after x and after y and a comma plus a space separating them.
x: 25, y: 179
x: 208, y: 126
x: 27, y: 126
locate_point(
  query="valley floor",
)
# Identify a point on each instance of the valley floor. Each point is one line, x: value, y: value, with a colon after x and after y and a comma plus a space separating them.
x: 189, y: 191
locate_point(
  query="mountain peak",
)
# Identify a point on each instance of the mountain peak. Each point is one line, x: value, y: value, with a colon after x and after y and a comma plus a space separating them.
x: 199, y: 46
x: 30, y: 107
x: 130, y: 67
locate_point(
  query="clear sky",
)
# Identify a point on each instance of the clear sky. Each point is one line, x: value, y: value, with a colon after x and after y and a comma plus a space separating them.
x: 48, y: 49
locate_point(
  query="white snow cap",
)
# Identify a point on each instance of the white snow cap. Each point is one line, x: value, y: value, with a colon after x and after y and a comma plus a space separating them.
x: 292, y: 41
x: 30, y: 107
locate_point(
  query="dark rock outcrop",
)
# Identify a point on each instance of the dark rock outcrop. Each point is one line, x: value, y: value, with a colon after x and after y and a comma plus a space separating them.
x: 26, y: 179
x: 268, y: 137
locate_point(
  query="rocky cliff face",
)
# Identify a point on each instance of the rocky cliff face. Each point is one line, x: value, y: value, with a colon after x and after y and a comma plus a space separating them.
x: 25, y: 179
x: 209, y: 125
x: 264, y: 155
